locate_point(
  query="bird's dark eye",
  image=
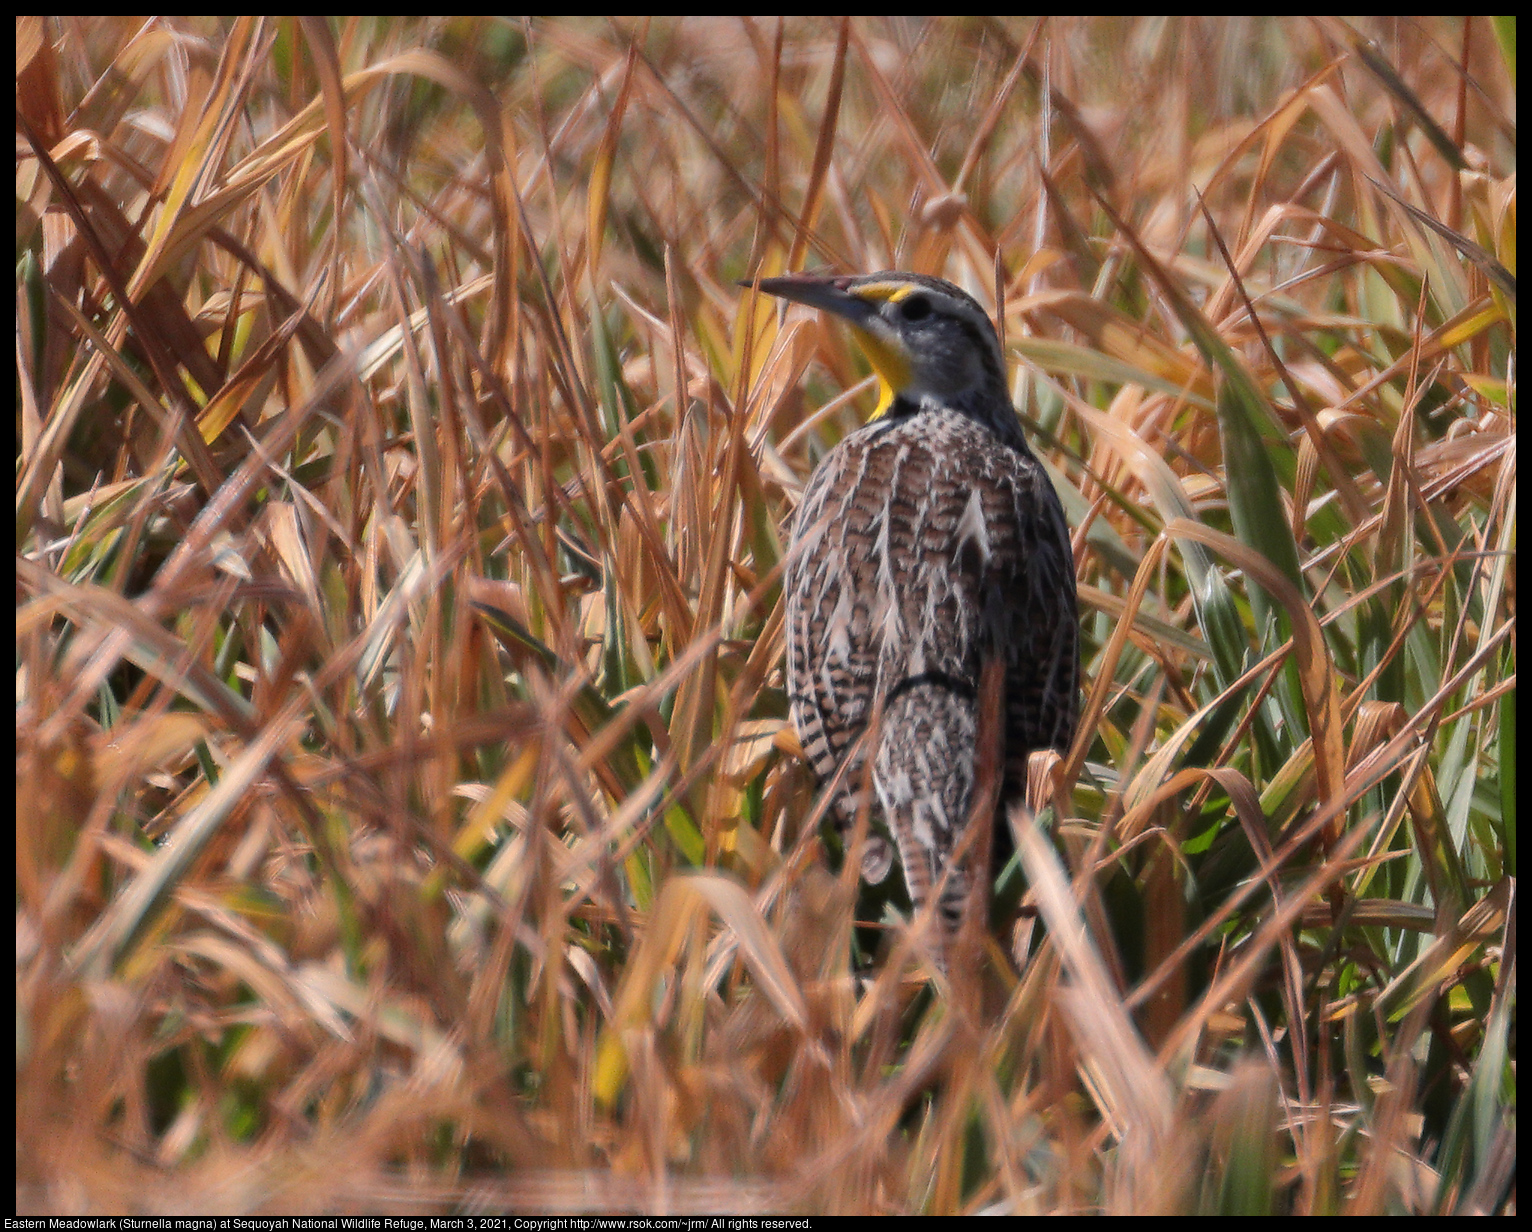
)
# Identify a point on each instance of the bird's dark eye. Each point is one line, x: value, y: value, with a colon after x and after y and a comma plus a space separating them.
x: 916, y: 308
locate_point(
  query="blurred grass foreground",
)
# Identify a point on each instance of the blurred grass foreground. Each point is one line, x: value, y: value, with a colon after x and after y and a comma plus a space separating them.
x: 407, y: 820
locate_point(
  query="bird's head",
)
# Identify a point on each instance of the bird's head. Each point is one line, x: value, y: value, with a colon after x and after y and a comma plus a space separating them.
x: 927, y: 340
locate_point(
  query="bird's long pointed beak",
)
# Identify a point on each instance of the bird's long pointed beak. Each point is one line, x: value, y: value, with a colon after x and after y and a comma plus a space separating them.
x: 830, y: 293
x: 826, y: 292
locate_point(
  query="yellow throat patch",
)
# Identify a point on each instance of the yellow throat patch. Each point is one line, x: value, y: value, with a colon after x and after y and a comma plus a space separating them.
x: 887, y: 358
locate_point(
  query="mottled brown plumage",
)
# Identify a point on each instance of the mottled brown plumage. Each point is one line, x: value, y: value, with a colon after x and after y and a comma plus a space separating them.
x: 928, y: 542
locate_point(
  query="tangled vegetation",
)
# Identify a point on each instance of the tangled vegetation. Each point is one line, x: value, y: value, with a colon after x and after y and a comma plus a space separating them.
x: 407, y: 815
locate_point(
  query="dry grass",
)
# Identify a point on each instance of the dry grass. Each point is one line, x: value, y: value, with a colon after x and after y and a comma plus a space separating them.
x: 406, y: 817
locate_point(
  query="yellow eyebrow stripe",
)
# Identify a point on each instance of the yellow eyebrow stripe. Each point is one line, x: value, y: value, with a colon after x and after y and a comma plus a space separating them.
x: 887, y: 292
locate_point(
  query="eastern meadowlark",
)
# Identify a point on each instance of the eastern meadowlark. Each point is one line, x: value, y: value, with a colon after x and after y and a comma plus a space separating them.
x: 928, y: 543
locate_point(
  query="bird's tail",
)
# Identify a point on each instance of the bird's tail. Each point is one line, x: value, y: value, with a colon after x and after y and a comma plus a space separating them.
x: 937, y: 772
x: 924, y: 776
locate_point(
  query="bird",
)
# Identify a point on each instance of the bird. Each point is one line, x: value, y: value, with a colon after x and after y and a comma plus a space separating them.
x: 928, y: 543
